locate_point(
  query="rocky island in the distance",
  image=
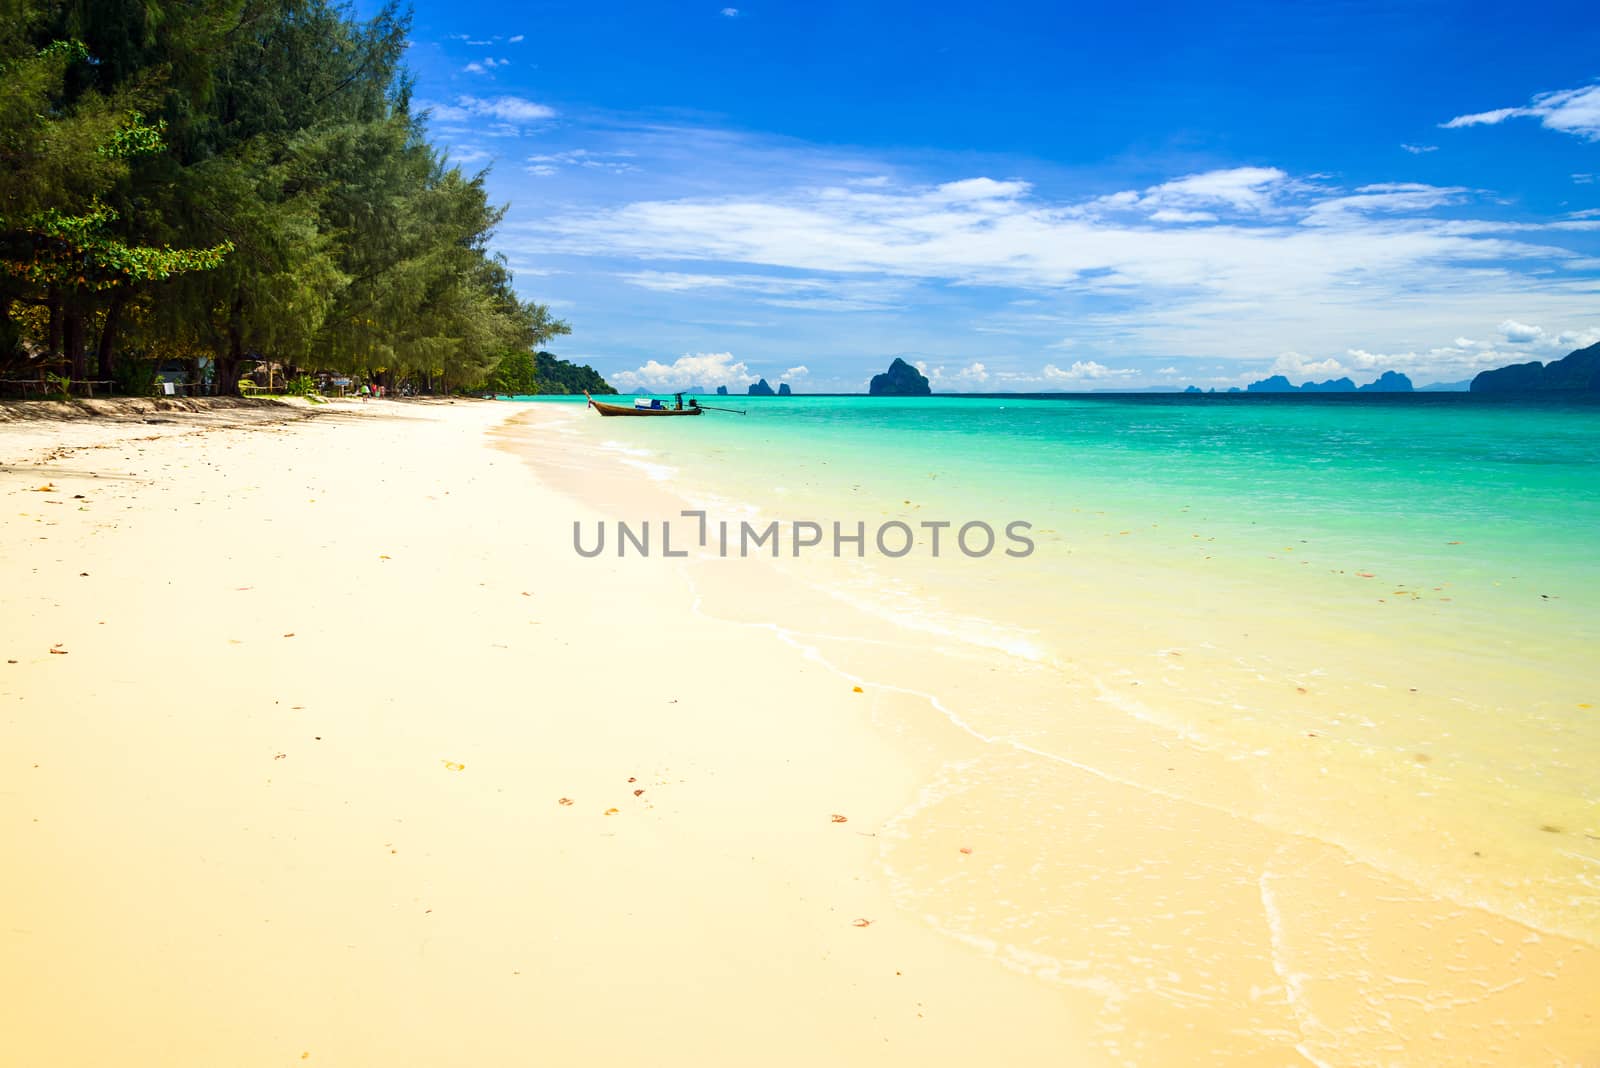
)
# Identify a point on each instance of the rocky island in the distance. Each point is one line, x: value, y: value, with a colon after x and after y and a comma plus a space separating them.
x: 1578, y: 371
x: 900, y: 380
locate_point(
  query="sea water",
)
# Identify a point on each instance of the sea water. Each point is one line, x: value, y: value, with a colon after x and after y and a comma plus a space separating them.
x: 1362, y: 621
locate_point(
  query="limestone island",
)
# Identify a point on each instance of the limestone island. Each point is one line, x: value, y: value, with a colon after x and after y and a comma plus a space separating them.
x: 900, y: 380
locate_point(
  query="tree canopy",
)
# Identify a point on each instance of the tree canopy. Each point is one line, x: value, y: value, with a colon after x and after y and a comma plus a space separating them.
x: 238, y: 180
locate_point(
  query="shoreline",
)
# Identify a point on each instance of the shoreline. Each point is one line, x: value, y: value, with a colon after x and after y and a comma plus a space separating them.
x: 309, y: 805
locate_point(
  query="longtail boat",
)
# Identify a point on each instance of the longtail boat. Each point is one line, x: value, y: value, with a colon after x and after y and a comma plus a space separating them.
x: 693, y: 407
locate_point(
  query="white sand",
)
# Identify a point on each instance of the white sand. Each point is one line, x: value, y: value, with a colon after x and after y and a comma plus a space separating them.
x: 232, y: 828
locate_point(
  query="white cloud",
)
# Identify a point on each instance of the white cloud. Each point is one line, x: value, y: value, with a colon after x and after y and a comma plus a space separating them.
x: 1518, y: 333
x: 1417, y: 150
x: 730, y: 12
x: 1294, y: 366
x: 551, y: 162
x: 465, y: 154
x: 1573, y: 111
x: 488, y: 64
x: 973, y: 372
x: 797, y: 372
x: 518, y: 39
x: 1583, y: 179
x: 1568, y: 340
x: 813, y: 292
x: 1390, y: 198
x: 1384, y: 266
x: 1173, y: 215
x: 1169, y: 371
x: 706, y: 369
x: 977, y: 191
x: 509, y: 110
x: 1084, y: 370
x: 988, y: 233
x: 1248, y: 189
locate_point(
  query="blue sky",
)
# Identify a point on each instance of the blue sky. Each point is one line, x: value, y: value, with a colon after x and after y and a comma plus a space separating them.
x: 1024, y: 197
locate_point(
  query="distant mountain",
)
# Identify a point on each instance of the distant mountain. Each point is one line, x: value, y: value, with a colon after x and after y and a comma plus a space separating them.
x: 900, y: 380
x: 1446, y: 387
x: 722, y: 391
x: 784, y: 390
x: 761, y: 389
x: 1576, y: 372
x: 1388, y: 382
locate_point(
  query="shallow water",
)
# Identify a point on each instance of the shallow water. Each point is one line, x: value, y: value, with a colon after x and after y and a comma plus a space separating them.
x: 1346, y: 634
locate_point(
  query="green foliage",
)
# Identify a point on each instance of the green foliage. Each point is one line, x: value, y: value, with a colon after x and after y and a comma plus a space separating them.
x: 135, y: 378
x: 243, y: 178
x: 559, y: 376
x: 301, y: 386
x: 514, y: 375
x: 53, y: 249
x: 134, y: 138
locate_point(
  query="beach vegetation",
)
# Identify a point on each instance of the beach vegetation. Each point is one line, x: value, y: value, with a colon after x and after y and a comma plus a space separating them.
x: 244, y: 181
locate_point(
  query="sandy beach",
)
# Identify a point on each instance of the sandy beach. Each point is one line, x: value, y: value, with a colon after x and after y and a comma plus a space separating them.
x: 321, y: 744
x: 315, y: 746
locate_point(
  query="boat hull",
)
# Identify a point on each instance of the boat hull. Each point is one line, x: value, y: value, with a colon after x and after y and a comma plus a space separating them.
x: 626, y: 409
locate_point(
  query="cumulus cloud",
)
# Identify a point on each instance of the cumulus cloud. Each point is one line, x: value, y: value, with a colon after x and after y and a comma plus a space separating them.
x: 705, y: 369
x: 1417, y: 150
x: 730, y: 12
x: 973, y: 372
x: 486, y: 65
x: 1084, y: 370
x: 1573, y: 111
x: 1517, y: 333
x: 797, y: 372
x: 1293, y: 365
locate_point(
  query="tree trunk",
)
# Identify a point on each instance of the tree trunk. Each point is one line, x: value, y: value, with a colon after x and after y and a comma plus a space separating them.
x: 72, y: 342
x: 108, y: 332
x: 53, y: 339
x: 228, y: 366
x: 10, y: 334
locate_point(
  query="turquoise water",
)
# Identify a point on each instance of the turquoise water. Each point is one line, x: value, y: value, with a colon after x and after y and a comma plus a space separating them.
x: 1409, y: 580
x: 1370, y: 480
